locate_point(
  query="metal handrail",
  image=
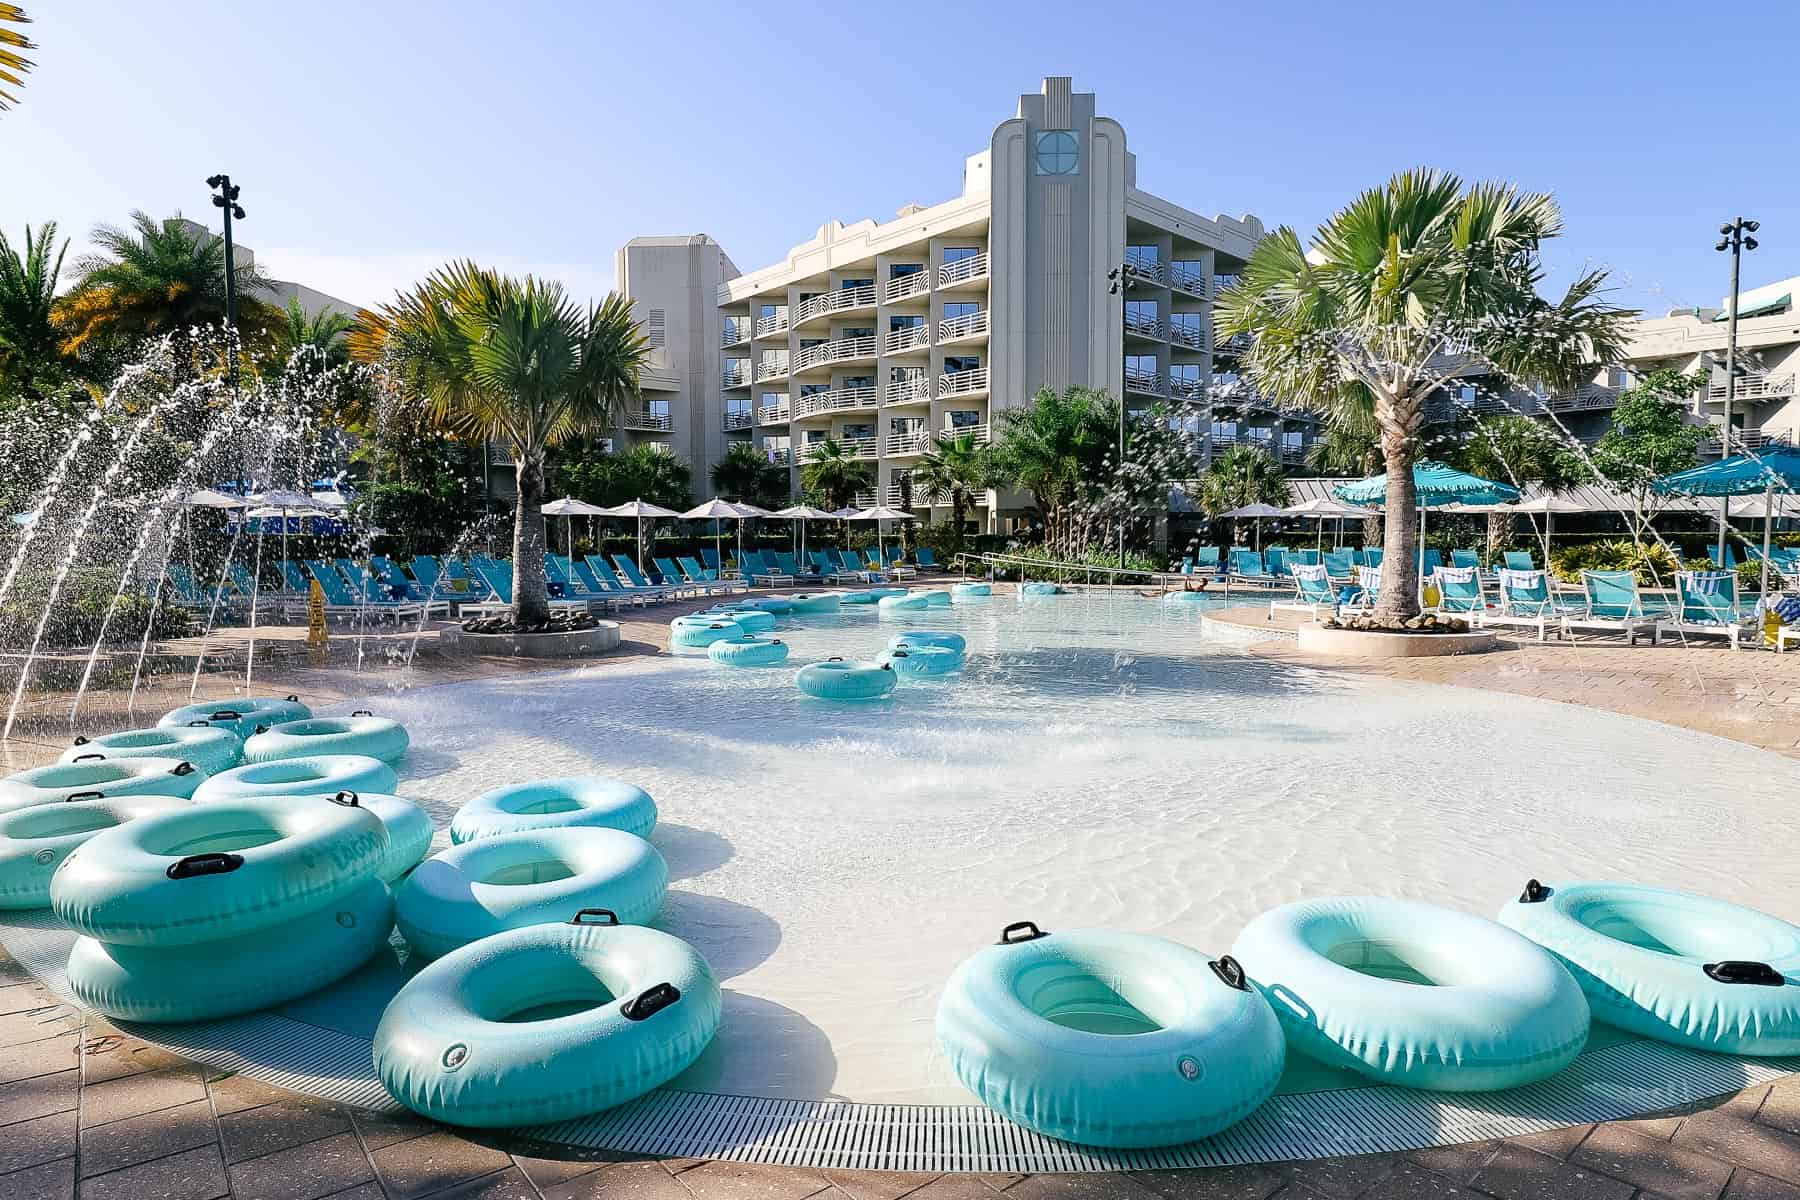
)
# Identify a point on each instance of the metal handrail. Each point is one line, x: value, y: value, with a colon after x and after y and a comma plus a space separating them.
x: 1162, y: 579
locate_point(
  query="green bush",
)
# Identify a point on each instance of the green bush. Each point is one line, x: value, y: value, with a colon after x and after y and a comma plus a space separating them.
x: 81, y: 607
x: 1095, y: 556
x: 1654, y: 564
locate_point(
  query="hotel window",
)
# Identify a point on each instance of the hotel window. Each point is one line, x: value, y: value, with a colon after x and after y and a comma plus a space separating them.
x: 857, y: 381
x: 813, y: 389
x: 901, y: 426
x: 768, y: 310
x: 1145, y: 257
x: 961, y: 362
x: 905, y: 374
x: 737, y: 407
x: 902, y: 270
x: 1141, y: 313
x: 1225, y: 431
x: 1188, y: 324
x: 1186, y: 372
x: 1058, y: 153
x: 1140, y: 364
x: 1292, y: 439
x: 815, y: 436
x: 956, y: 254
x: 858, y: 431
x: 912, y: 322
x: 961, y: 308
x: 962, y: 418
x: 856, y: 333
x: 856, y: 283
x: 657, y: 408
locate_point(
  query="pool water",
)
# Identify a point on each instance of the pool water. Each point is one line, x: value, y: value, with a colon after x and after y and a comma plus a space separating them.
x: 1097, y: 763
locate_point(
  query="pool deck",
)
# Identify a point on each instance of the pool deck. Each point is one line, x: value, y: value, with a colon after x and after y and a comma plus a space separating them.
x: 87, y: 1111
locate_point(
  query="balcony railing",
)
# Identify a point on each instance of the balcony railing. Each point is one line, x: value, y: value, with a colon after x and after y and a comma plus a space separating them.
x: 772, y: 366
x: 916, y: 390
x: 1741, y: 440
x: 963, y: 270
x: 658, y: 422
x: 1585, y: 398
x: 1149, y: 327
x: 918, y: 442
x: 772, y: 411
x: 840, y: 400
x: 972, y: 382
x: 980, y: 433
x: 1236, y: 344
x: 826, y: 353
x: 909, y: 337
x: 863, y: 499
x: 1145, y: 270
x: 1189, y: 277
x: 1756, y: 385
x: 840, y: 300
x: 735, y: 330
x: 1149, y: 382
x: 857, y: 447
x: 736, y: 374
x: 968, y: 325
x: 1191, y: 337
x: 738, y: 418
x: 900, y: 287
x: 1221, y: 282
x: 1187, y: 389
x: 772, y: 325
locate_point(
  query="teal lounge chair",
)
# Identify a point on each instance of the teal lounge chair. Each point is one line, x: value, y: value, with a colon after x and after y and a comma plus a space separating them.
x: 629, y: 570
x: 604, y: 573
x: 1518, y: 560
x: 1465, y: 558
x: 1731, y: 558
x: 1275, y: 561
x: 926, y: 557
x: 669, y: 573
x: 1312, y: 591
x: 1248, y: 566
x: 1614, y: 605
x: 1707, y: 606
x: 185, y: 592
x: 1459, y: 592
x: 1526, y: 600
x: 342, y: 600
x: 1341, y: 564
x: 295, y: 578
x: 1429, y: 561
x: 1206, y: 558
x: 1368, y: 589
x: 1311, y: 558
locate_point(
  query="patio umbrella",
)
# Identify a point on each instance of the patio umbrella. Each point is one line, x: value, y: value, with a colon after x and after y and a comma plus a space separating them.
x: 279, y: 502
x: 717, y: 510
x: 1437, y: 484
x: 1322, y: 507
x: 1771, y: 472
x: 571, y: 508
x: 1255, y: 512
x: 1549, y: 506
x: 800, y: 514
x: 846, y: 515
x: 878, y: 514
x: 639, y: 509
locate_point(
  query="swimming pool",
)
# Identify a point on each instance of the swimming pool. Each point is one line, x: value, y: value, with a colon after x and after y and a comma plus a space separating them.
x: 1097, y: 763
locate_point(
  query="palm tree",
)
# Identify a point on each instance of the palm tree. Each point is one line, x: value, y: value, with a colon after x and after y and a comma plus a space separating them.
x: 13, y: 64
x: 831, y: 472
x: 29, y: 344
x: 1243, y: 474
x: 1399, y: 292
x: 746, y: 474
x: 954, y: 469
x: 1058, y: 448
x: 1518, y: 450
x: 323, y: 334
x: 152, y: 279
x: 515, y: 362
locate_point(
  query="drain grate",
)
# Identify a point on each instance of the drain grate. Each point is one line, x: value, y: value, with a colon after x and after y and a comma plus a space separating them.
x: 1621, y: 1080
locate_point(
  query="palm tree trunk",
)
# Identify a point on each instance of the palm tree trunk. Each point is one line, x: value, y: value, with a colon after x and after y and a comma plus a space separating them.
x: 530, y: 594
x: 1400, y: 543
x: 1499, y: 530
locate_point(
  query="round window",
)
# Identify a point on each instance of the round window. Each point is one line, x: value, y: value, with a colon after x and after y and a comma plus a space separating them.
x: 1058, y: 153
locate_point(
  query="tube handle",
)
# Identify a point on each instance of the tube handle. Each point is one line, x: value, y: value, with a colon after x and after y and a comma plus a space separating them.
x: 1028, y: 928
x: 1534, y: 893
x: 262, y: 729
x: 227, y: 714
x: 1760, y: 974
x: 580, y: 918
x: 650, y: 1001
x: 81, y: 739
x: 363, y: 712
x: 196, y: 724
x: 291, y: 698
x: 1230, y: 972
x: 183, y: 767
x: 74, y: 797
x: 89, y: 756
x: 347, y: 798
x: 195, y: 865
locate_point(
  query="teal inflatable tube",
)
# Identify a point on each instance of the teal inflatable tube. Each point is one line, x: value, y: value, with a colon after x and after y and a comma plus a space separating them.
x: 1185, y: 597
x: 860, y: 597
x: 316, y: 774
x: 105, y: 779
x: 971, y: 591
x: 1671, y: 965
x: 546, y: 1023
x: 235, y: 975
x: 839, y: 679
x: 910, y: 602
x: 882, y: 593
x: 478, y: 889
x: 748, y: 651
x: 695, y: 632
x: 1344, y: 976
x: 409, y: 831
x: 209, y: 747
x: 929, y: 637
x: 216, y: 871
x: 1109, y: 1039
x: 361, y: 732
x: 770, y: 604
x: 750, y: 620
x: 923, y: 660
x: 936, y: 598
x: 815, y: 602
x: 34, y: 841
x: 240, y: 716
x: 583, y: 800
x: 1041, y: 588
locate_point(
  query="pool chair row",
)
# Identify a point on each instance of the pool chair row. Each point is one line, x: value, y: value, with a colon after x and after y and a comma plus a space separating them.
x: 784, y: 570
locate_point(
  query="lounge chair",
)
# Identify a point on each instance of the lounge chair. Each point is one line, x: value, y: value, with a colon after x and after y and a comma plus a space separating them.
x: 1526, y: 600
x: 926, y: 557
x: 1206, y: 558
x: 1731, y: 558
x: 1368, y: 589
x: 1706, y: 605
x: 629, y: 569
x: 1459, y: 592
x: 1465, y: 558
x: 184, y: 592
x: 499, y: 578
x: 787, y: 564
x: 611, y: 583
x: 894, y: 563
x: 668, y: 574
x: 1311, y: 558
x: 756, y: 568
x: 692, y: 571
x: 1518, y: 560
x: 1341, y: 565
x: 1429, y: 561
x: 295, y: 578
x: 341, y: 600
x: 1312, y: 591
x: 1275, y: 561
x: 1613, y: 606
x: 1248, y: 567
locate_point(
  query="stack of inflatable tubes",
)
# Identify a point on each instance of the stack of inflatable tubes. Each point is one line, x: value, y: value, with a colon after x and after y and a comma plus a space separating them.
x: 212, y: 748
x: 702, y: 630
x: 362, y: 732
x: 971, y: 591
x: 769, y: 604
x: 34, y: 841
x: 582, y: 800
x: 751, y: 650
x: 859, y: 597
x: 316, y: 774
x: 239, y: 716
x: 903, y: 603
x: 840, y: 679
x: 1109, y: 1039
x: 101, y: 779
x: 546, y: 1023
x: 477, y: 889
x: 408, y: 827
x: 219, y: 909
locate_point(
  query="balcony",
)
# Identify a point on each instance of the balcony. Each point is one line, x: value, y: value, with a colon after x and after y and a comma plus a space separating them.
x: 1145, y: 271
x: 1236, y: 344
x: 857, y: 447
x: 772, y: 366
x: 1148, y: 383
x: 653, y: 422
x: 1189, y: 277
x: 1754, y: 387
x: 964, y: 272
x: 1187, y: 389
x: 839, y: 301
x: 738, y: 418
x: 841, y: 400
x: 905, y: 287
x: 1586, y: 398
x: 1145, y: 327
x: 973, y: 382
x: 963, y: 328
x: 863, y: 500
x: 1747, y: 438
x: 916, y: 390
x: 906, y: 339
x: 735, y: 330
x: 773, y: 325
x: 823, y: 354
x: 1188, y: 337
x: 736, y: 373
x: 772, y: 411
x: 981, y: 433
x: 1221, y: 282
x: 920, y: 442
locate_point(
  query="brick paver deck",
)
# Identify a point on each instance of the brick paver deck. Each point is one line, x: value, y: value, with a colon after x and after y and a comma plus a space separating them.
x: 87, y: 1111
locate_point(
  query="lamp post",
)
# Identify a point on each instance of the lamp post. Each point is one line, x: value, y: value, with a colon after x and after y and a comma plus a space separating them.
x: 1735, y: 237
x: 225, y: 197
x: 1116, y: 287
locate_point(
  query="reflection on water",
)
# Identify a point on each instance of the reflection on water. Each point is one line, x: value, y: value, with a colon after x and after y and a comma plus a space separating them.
x: 1096, y: 764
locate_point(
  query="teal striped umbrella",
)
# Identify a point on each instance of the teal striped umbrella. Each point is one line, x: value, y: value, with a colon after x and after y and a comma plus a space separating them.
x: 1437, y: 484
x: 1769, y: 472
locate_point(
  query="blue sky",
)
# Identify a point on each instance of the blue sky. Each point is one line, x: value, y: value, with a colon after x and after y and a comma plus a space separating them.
x: 374, y: 140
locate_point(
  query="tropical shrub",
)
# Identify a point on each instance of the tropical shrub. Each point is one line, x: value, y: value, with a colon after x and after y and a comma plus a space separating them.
x: 1654, y: 564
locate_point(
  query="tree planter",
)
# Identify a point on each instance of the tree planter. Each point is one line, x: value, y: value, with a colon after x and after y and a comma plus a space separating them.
x: 602, y: 637
x: 1364, y: 643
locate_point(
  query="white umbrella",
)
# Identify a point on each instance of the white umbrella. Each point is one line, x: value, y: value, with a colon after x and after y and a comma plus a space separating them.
x: 878, y: 514
x: 279, y: 502
x: 1322, y: 507
x: 800, y: 514
x: 1256, y: 512
x: 846, y: 515
x: 571, y: 508
x: 716, y: 510
x: 1549, y: 506
x: 207, y: 498
x: 639, y: 509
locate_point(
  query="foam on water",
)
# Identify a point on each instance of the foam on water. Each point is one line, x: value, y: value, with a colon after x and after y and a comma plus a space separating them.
x: 1097, y: 763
